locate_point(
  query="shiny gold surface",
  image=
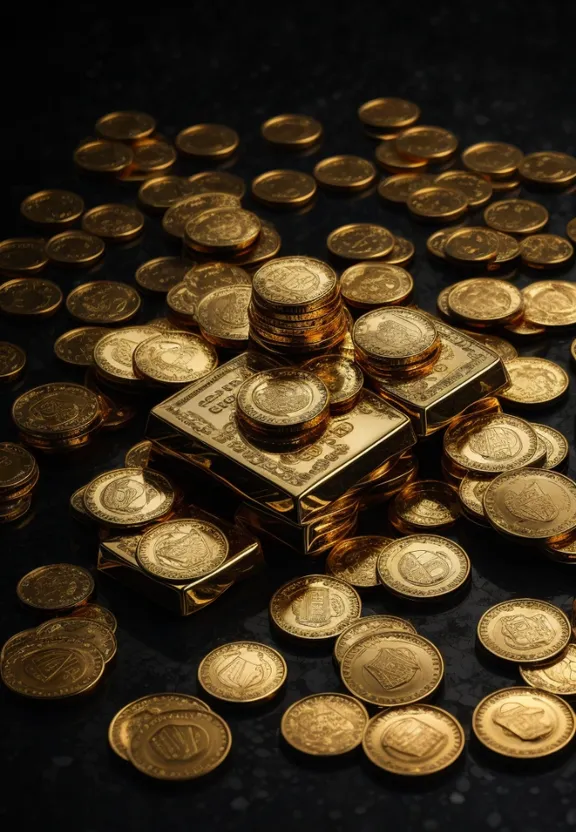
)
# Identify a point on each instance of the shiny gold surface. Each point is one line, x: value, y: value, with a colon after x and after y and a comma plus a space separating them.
x: 128, y: 497
x: 222, y: 230
x: 345, y: 173
x: 12, y: 362
x: 491, y: 443
x: 495, y: 160
x: 424, y: 505
x: 360, y: 241
x: 485, y: 300
x: 174, y: 358
x: 30, y: 297
x: 58, y: 587
x: 556, y: 676
x: 534, y: 382
x: 516, y: 216
x: 77, y: 249
x: 103, y: 302
x: 284, y: 188
x: 243, y: 672
x: 548, y: 168
x: 182, y: 550
x: 354, y: 560
x: 161, y: 274
x: 550, y: 303
x: 343, y: 378
x: 423, y: 566
x: 546, y: 251
x: 437, y: 203
x: 208, y: 141
x: 324, y: 724
x: 314, y: 607
x: 52, y: 208
x: 431, y: 144
x: 367, y: 625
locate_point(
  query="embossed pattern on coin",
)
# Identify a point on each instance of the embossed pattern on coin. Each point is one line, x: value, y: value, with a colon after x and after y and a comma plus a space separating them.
x: 556, y: 676
x: 360, y: 241
x: 52, y: 668
x: 113, y: 222
x: 114, y: 353
x: 548, y: 168
x: 103, y: 156
x: 437, y: 203
x: 216, y: 181
x: 242, y: 671
x: 432, y: 144
x: 388, y: 157
x: 295, y: 282
x: 424, y: 505
x: 550, y: 303
x: 524, y: 630
x: 485, y: 300
x: 103, y: 302
x: 472, y: 245
x: 345, y: 173
x: 57, y: 409
x: 423, y: 566
x: 76, y: 346
x: 174, y: 358
x: 182, y: 550
x: 12, y: 362
x: 354, y: 560
x: 365, y: 626
x: 389, y: 113
x: 128, y: 497
x: 222, y: 230
x: 283, y: 399
x: 22, y: 255
x: 546, y: 251
x: 324, y: 724
x: 183, y: 210
x: 343, y: 378
x: 30, y: 296
x: 315, y: 607
x: 557, y: 447
x: 94, y: 612
x: 160, y: 192
x: 477, y: 190
x: 491, y: 444
x: 397, y: 188
x: 223, y: 315
x: 493, y: 159
x: 83, y: 629
x: 17, y: 467
x: 534, y: 382
x: 375, y: 284
x: 75, y: 248
x: 161, y: 274
x: 58, y: 587
x: 395, y: 334
x: 516, y: 216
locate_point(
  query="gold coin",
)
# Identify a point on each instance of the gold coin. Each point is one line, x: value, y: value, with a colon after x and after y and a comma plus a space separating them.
x: 294, y: 132
x: 471, y: 492
x: 477, y: 190
x: 516, y: 216
x: 138, y: 455
x: 16, y: 641
x: 96, y: 613
x: 523, y: 722
x: 368, y: 625
x: 522, y: 327
x: 315, y: 607
x: 354, y: 560
x: 472, y: 245
x: 324, y: 724
x: 562, y: 550
x: 436, y: 242
x: 58, y: 409
x: 392, y: 668
x: 160, y: 192
x: 505, y: 185
x: 161, y: 274
x: 389, y: 113
x: 548, y: 168
x: 22, y: 256
x: 508, y: 251
x: 267, y: 246
x: 103, y: 156
x: 162, y: 324
x: 84, y: 630
x: 12, y: 362
x: 431, y: 144
x: 127, y: 497
x: 524, y: 630
x: 242, y: 671
x: 423, y: 566
x: 52, y: 207
x: 295, y: 283
x: 30, y: 296
x: 388, y: 157
x: 424, y: 505
x: 343, y: 378
x: 491, y: 444
x: 125, y: 125
x: 18, y: 469
x: 58, y: 587
x: 413, y: 740
x: 571, y: 230
x: 284, y: 188
x: 181, y: 302
x: 75, y: 248
x: 401, y: 254
x: 550, y: 303
x: 180, y: 745
x: 499, y: 345
x: 223, y: 315
x: 556, y: 676
x: 546, y: 251
x: 397, y: 188
x: 183, y: 210
x: 103, y: 302
x: 285, y: 400
x: 152, y: 156
x: 345, y: 173
x: 485, y: 300
x: 205, y: 277
x: 182, y: 550
x: 222, y: 230
x: 207, y: 141
x: 216, y: 181
x: 76, y: 346
x: 492, y: 159
x: 360, y: 241
x: 114, y: 353
x: 534, y: 382
x: 174, y: 358
x: 437, y: 203
x: 557, y: 447
x: 113, y: 222
x: 396, y: 335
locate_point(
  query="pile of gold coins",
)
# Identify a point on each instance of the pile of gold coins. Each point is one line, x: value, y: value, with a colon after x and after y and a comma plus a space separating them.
x: 19, y: 475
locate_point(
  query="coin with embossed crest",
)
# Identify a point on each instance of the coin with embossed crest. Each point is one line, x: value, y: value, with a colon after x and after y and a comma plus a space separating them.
x: 222, y: 315
x: 345, y: 173
x: 424, y: 505
x: 76, y: 346
x: 477, y: 190
x: 546, y: 251
x: 292, y: 131
x: 222, y: 230
x: 58, y: 587
x: 12, y: 362
x: 113, y: 222
x: 557, y: 447
x: 491, y: 444
x: 174, y: 358
x: 398, y: 187
x: 485, y: 300
x: 103, y: 156
x: 182, y: 550
x: 22, y: 256
x: 161, y: 274
x: 103, y: 302
x: 52, y: 207
x: 496, y: 160
x: 395, y: 335
x: 437, y: 203
x: 295, y: 283
x: 242, y: 671
x: 127, y: 497
x: 83, y: 629
x: 534, y: 382
x: 183, y: 210
x: 431, y: 144
x: 77, y: 249
x: 413, y: 740
x: 284, y: 188
x: 423, y: 566
x: 548, y: 168
x: 315, y: 607
x: 114, y: 353
x: 30, y: 297
x: 207, y: 141
x: 556, y: 676
x: 550, y: 303
x: 367, y: 625
x: 354, y: 560
x: 343, y: 378
x: 360, y: 241
x: 56, y: 410
x: 516, y: 216
x: 389, y: 113
x: 472, y: 245
x: 125, y: 125
x: 283, y: 400
x: 96, y: 613
x: 324, y: 724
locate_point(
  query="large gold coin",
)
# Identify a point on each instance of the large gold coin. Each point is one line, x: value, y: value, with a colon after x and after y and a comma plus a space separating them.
x: 216, y: 181
x: 365, y: 285
x: 388, y: 113
x: 491, y: 444
x: 396, y: 335
x: 424, y: 505
x: 174, y: 358
x: 368, y: 625
x: 343, y: 378
x: 82, y: 629
x: 222, y: 230
x: 397, y: 188
x: 114, y: 353
x: 161, y: 274
x: 523, y: 722
x: 113, y: 222
x: 18, y: 468
x: 557, y: 447
x: 496, y: 160
x: 548, y: 168
x: 534, y: 382
x: 22, y: 256
x: 242, y: 671
x: 223, y: 316
x: 499, y: 345
x: 208, y: 141
x: 550, y: 303
x: 57, y: 409
x: 546, y: 251
x: 294, y: 132
x: 556, y: 676
x: 52, y: 208
x: 96, y: 613
x: 76, y: 346
x: 183, y: 210
x: 345, y: 173
x: 485, y: 300
x: 77, y: 249
x: 285, y: 400
x: 516, y: 216
x: 354, y: 560
x: 12, y: 362
x: 324, y: 724
x: 392, y: 668
x: 297, y: 284
x: 103, y: 302
x: 472, y: 245
x: 125, y: 125
x: 477, y: 190
x: 360, y: 241
x: 103, y: 156
x: 127, y: 497
x: 471, y: 492
x: 30, y: 297
x: 423, y: 566
x: 531, y: 504
x: 180, y: 745
x: 315, y: 607
x: 58, y: 587
x: 432, y: 144
x: 284, y: 188
x: 437, y: 203
x: 52, y: 668
x: 524, y: 630
x: 413, y: 740
x: 160, y: 192
x: 182, y: 550
x: 388, y: 157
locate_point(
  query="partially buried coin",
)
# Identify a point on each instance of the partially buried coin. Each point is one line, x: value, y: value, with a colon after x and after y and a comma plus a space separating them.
x: 208, y: 141
x: 343, y: 378
x: 360, y: 241
x: 96, y: 613
x: 82, y: 629
x: 423, y: 566
x: 534, y: 382
x: 364, y: 626
x: 58, y: 587
x: 22, y: 256
x: 284, y: 188
x: 243, y: 672
x: 161, y: 274
x: 12, y: 362
x: 113, y: 222
x: 324, y: 724
x: 556, y: 676
x: 103, y: 302
x: 424, y: 505
x: 174, y: 358
x: 314, y: 607
x: 77, y: 249
x: 128, y: 497
x: 354, y: 560
x: 223, y: 316
x: 182, y: 550
x: 30, y: 297
x: 345, y: 173
x: 76, y: 346
x: 292, y: 131
x: 52, y: 207
x: 524, y: 630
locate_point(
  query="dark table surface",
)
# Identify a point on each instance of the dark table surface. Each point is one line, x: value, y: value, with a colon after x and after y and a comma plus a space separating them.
x: 486, y: 74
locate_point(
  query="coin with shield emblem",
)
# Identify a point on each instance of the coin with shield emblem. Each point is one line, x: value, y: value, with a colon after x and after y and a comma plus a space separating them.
x: 243, y: 671
x: 315, y: 607
x: 423, y: 566
x: 524, y: 630
x: 182, y: 550
x: 324, y: 724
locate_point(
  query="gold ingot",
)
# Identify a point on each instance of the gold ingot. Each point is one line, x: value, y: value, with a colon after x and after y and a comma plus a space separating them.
x: 345, y: 173
x: 516, y: 216
x: 534, y: 382
x: 284, y: 188
x: 243, y: 672
x: 494, y: 160
x: 324, y: 724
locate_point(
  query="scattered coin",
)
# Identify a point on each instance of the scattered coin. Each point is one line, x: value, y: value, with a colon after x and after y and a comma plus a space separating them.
x: 477, y: 190
x: 222, y: 230
x: 500, y: 346
x: 360, y: 241
x: 12, y: 362
x: 546, y: 251
x: 182, y: 550
x: 151, y: 155
x: 436, y: 242
x: 401, y: 254
x: 508, y: 251
x: 94, y: 612
x: 472, y: 245
x: 243, y: 671
x: 556, y: 676
x: 161, y: 274
x: 183, y: 210
x: 516, y: 216
x: 284, y: 188
x: 354, y: 560
x: 174, y: 358
x: 524, y: 630
x: 550, y: 303
x: 103, y: 156
x: 485, y: 300
x: 424, y: 505
x: 397, y: 188
x: 491, y: 444
x: 223, y: 316
x: 364, y: 626
x: 56, y: 410
x: 208, y: 141
x: 58, y: 587
x: 138, y: 455
x: 315, y: 607
x: 389, y: 113
x: 534, y: 382
x: 324, y: 724
x: 557, y: 447
x: 113, y: 354
x: 437, y: 203
x: 113, y: 222
x: 431, y: 144
x: 75, y: 248
x: 125, y: 125
x: 76, y: 346
x: 423, y: 566
x: 216, y: 181
x: 267, y: 246
x: 181, y: 303
x: 496, y: 160
x: 22, y: 256
x: 471, y: 492
x: 160, y: 192
x: 30, y: 297
x: 103, y: 302
x: 52, y: 208
x: 345, y: 173
x: 83, y: 629
x: 548, y: 168
x: 294, y: 132
x: 388, y: 157
x: 128, y: 497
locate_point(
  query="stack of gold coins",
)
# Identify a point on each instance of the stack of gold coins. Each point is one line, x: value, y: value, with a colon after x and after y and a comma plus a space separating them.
x: 296, y: 307
x: 18, y: 477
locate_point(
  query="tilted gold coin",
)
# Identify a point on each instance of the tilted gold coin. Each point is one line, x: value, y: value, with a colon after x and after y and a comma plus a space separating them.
x: 424, y: 505
x: 345, y: 173
x: 205, y: 277
x: 182, y: 550
x: 550, y: 303
x: 52, y: 207
x: 546, y: 251
x: 524, y: 630
x: 222, y: 230
x: 423, y: 566
x: 516, y: 216
x: 114, y: 353
x: 556, y: 676
x: 396, y: 335
x: 294, y: 132
x: 113, y: 222
x: 151, y: 155
x: 295, y: 283
x: 138, y: 455
x: 267, y: 246
x: 181, y: 303
x: 58, y: 587
x: 496, y: 160
x: 18, y: 469
x: 392, y: 668
x: 432, y: 144
x: 183, y: 210
x: 15, y: 641
x: 557, y: 447
x: 366, y: 626
x: 103, y: 302
x: 12, y: 362
x: 401, y: 254
x: 180, y: 745
x: 127, y: 497
x: 161, y: 274
x: 56, y: 410
x: 284, y: 188
x: 96, y: 613
x: 315, y: 607
x: 103, y: 156
x: 571, y: 230
x: 174, y: 358
x: 360, y: 241
x: 491, y: 444
x: 388, y: 157
x: 22, y: 256
x: 437, y: 203
x: 343, y: 378
x: 324, y: 724
x: 283, y: 400
x: 548, y: 168
x: 508, y: 251
x: 499, y: 345
x: 471, y: 492
x: 223, y: 315
x: 76, y: 346
x: 534, y: 382
x: 160, y: 192
x: 477, y: 190
x: 485, y: 300
x: 84, y: 630
x: 472, y: 245
x: 78, y: 249
x: 216, y: 181
x: 436, y: 242
x: 208, y: 141
x: 354, y: 560
x: 397, y: 188
x: 125, y: 125
x: 30, y: 296
x: 242, y: 671
x: 389, y: 113
x: 413, y: 740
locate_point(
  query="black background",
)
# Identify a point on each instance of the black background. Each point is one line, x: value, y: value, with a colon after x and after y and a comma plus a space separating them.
x: 505, y: 71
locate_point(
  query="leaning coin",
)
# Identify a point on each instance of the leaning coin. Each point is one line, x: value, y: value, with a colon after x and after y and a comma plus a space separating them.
x: 58, y: 587
x: 182, y: 550
x: 314, y: 607
x: 76, y: 346
x: 52, y: 208
x: 242, y: 671
x: 556, y: 676
x: 524, y: 630
x: 82, y: 629
x: 96, y: 613
x: 365, y: 626
x: 324, y: 724
x: 423, y: 566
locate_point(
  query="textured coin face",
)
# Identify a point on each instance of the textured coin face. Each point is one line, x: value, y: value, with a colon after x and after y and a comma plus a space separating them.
x: 485, y: 300
x: 397, y: 188
x: 471, y: 493
x: 360, y: 241
x: 182, y: 550
x: 287, y: 188
x: 15, y: 641
x: 315, y: 607
x: 423, y: 566
x: 392, y: 668
x: 396, y: 334
x: 208, y: 141
x: 175, y: 358
x: 98, y: 614
x: 345, y: 173
x: 523, y: 722
x: 223, y: 313
x: 56, y: 409
x: 138, y: 455
x: 128, y: 497
x: 546, y: 251
x: 343, y: 378
x: 557, y: 447
x: 556, y: 676
x: 182, y: 301
x: 508, y: 251
x: 52, y: 207
x: 429, y: 143
x: 180, y: 745
x: 114, y: 353
x: 476, y: 189
x: 152, y: 156
x: 499, y: 345
x: 30, y: 296
x: 548, y: 168
x: 161, y: 274
x: 295, y: 282
x: 424, y: 505
x: 103, y: 302
x: 534, y: 382
x: 550, y: 303
x: 125, y: 125
x: 436, y: 243
x: 283, y: 398
x: 57, y: 587
x: 292, y: 131
x: 438, y: 203
x: 223, y: 230
x: 366, y: 626
x: 103, y: 156
x: 75, y: 248
x: 516, y: 216
x: 216, y: 181
x: 496, y: 159
x: 389, y: 113
x: 524, y: 630
x: 491, y: 444
x: 12, y: 361
x: 160, y: 192
x: 354, y: 560
x: 183, y: 210
x: 114, y: 222
x: 324, y: 724
x: 82, y: 629
x: 413, y: 740
x: 402, y: 253
x: 76, y: 346
x: 17, y: 467
x: 243, y: 671
x: 52, y: 668
x: 472, y: 245
x: 22, y: 255
x: 375, y: 284
x: 205, y: 277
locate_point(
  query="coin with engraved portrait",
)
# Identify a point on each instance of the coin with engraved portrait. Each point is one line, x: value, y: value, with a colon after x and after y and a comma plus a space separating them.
x: 103, y: 302
x: 57, y: 409
x: 222, y: 315
x: 114, y: 353
x: 179, y: 213
x: 367, y: 285
x: 423, y: 566
x: 78, y: 249
x: 284, y: 188
x: 324, y: 724
x: 174, y: 358
x: 283, y: 400
x: 83, y: 629
x: 314, y: 607
x: 208, y: 141
x: 126, y: 497
x: 30, y: 297
x: 550, y: 303
x: 242, y: 671
x: 182, y: 550
x: 102, y: 156
x: 491, y: 443
x: 366, y: 625
x: 52, y: 207
x: 222, y: 230
x: 534, y: 382
x: 292, y: 131
x: 496, y: 160
x: 516, y: 216
x: 360, y: 241
x: 22, y: 256
x: 556, y: 676
x: 125, y: 125
x: 524, y: 630
x: 58, y: 587
x: 354, y: 560
x: 548, y: 169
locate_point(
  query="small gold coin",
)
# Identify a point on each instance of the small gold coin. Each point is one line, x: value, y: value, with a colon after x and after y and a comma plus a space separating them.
x: 296, y: 284
x: 368, y: 625
x: 216, y: 181
x: 477, y: 190
x: 76, y: 346
x: 12, y: 362
x: 96, y: 613
x: 401, y: 254
x: 548, y: 168
x: 396, y: 334
x: 205, y: 277
x: 550, y: 303
x: 557, y: 447
x: 397, y: 188
x: 523, y: 722
x: 437, y: 203
x: 183, y: 210
x: 58, y: 409
x: 534, y: 382
x: 138, y: 455
x: 174, y: 358
x: 345, y: 173
x: 424, y: 505
x: 324, y: 724
x: 243, y: 671
x: 52, y: 207
x: 82, y: 629
x: 103, y: 156
x: 75, y: 248
x: 294, y: 132
x: 485, y: 300
x: 389, y: 113
x: 360, y: 241
x: 472, y: 245
x: 491, y: 444
x: 496, y: 160
x: 284, y: 188
x: 30, y: 296
x: 546, y: 251
x: 103, y: 302
x: 127, y: 497
x: 114, y: 353
x: 516, y: 216
x: 524, y: 630
x: 315, y: 607
x: 388, y: 157
x: 571, y: 230
x: 161, y: 274
x: 431, y: 144
x: 182, y: 550
x: 166, y: 746
x: 223, y: 316
x: 343, y: 378
x: 354, y: 560
x: 152, y: 156
x: 18, y: 468
x: 423, y: 566
x: 392, y: 668
x: 22, y: 256
x: 283, y: 400
x: 471, y: 492
x: 556, y: 676
x: 181, y: 302
x: 222, y: 230
x: 114, y: 222
x: 125, y: 125
x: 499, y: 345
x: 208, y: 141
x: 58, y: 587
x: 160, y: 192
x: 413, y: 740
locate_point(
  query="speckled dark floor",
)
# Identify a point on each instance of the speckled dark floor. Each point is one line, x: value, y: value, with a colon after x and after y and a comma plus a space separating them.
x: 497, y: 75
